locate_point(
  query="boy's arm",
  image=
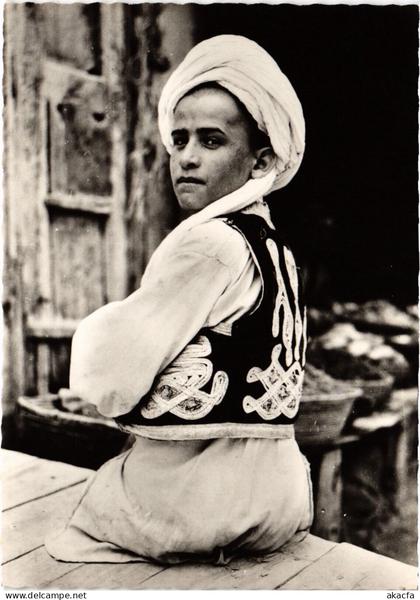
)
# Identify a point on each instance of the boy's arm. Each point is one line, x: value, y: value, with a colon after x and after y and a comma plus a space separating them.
x: 119, y: 349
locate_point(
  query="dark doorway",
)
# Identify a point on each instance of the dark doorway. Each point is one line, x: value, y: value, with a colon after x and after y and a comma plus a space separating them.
x: 351, y: 213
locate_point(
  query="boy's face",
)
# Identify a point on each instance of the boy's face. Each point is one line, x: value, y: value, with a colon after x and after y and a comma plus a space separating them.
x: 211, y: 154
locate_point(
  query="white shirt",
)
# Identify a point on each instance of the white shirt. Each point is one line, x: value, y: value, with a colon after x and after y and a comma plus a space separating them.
x: 208, y: 279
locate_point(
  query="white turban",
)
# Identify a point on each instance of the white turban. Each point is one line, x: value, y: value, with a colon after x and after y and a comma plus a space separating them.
x: 249, y: 73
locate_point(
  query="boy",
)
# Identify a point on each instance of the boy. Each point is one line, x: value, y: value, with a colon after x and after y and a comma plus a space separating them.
x: 204, y: 363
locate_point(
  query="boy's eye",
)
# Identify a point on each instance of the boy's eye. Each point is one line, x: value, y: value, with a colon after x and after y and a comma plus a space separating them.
x: 211, y: 141
x: 179, y: 140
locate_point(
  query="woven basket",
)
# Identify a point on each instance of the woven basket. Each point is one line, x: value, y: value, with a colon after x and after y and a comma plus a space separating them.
x: 46, y: 430
x: 375, y: 393
x: 376, y: 390
x: 322, y: 416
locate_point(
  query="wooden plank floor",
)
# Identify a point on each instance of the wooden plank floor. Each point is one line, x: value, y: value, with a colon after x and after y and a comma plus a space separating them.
x: 40, y: 494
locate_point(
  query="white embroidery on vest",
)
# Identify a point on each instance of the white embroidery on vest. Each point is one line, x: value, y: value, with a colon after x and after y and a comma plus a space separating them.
x: 293, y: 276
x: 305, y: 341
x: 179, y: 387
x: 283, y: 389
x: 281, y: 300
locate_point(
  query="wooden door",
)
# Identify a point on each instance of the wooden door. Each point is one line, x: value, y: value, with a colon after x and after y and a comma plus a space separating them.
x: 87, y: 192
x: 65, y: 187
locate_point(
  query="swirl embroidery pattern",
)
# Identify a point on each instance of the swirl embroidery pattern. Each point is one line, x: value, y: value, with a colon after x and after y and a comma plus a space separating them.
x: 293, y: 277
x: 179, y: 387
x: 282, y: 300
x: 283, y: 389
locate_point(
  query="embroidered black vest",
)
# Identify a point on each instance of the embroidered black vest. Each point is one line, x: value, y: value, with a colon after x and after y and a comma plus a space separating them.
x: 246, y: 382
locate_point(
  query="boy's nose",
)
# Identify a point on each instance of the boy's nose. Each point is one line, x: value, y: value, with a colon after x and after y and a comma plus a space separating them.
x: 190, y: 157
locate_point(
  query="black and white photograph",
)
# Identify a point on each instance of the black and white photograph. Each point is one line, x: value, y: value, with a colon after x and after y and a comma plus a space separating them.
x: 210, y: 297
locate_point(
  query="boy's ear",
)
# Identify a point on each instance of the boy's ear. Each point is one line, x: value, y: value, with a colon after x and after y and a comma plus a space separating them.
x: 263, y: 163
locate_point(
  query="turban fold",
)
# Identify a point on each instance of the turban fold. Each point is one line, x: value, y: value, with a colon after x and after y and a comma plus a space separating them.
x: 248, y: 72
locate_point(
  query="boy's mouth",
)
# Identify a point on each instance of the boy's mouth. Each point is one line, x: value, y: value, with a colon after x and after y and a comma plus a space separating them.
x: 194, y: 180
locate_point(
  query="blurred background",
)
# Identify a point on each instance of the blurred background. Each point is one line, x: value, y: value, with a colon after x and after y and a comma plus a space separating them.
x: 87, y: 198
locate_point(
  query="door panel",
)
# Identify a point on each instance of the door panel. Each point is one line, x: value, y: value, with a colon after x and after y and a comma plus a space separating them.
x: 79, y: 132
x: 77, y: 264
x: 71, y: 34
